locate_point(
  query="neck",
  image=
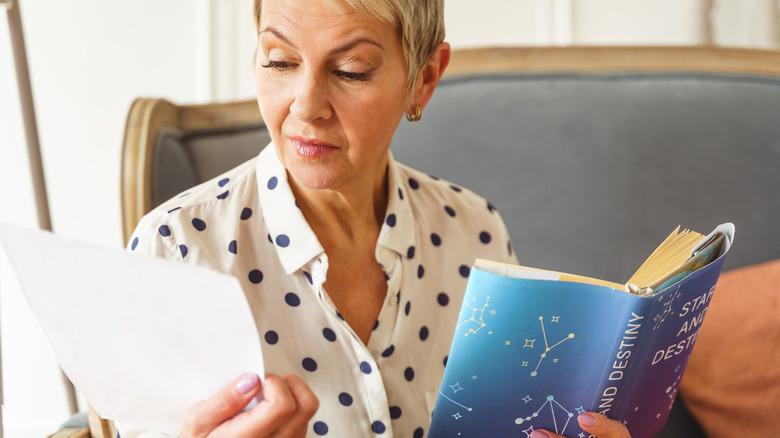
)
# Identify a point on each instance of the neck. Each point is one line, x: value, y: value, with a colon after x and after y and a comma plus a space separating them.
x: 352, y: 212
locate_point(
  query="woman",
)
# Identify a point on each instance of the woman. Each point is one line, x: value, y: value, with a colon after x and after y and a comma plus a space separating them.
x: 354, y: 264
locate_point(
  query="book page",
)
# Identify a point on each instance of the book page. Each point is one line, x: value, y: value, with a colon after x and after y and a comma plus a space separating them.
x: 141, y: 338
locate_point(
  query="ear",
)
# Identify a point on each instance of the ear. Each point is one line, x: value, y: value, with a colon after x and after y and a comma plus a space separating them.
x: 430, y: 74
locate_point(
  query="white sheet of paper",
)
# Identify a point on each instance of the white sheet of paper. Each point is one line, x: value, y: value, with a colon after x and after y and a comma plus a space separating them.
x: 141, y: 338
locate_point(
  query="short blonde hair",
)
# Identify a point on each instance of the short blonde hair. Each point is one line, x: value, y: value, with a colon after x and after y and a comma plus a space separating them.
x: 420, y: 25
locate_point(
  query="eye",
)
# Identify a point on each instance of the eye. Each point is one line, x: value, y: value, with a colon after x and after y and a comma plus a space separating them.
x: 279, y: 65
x: 362, y: 77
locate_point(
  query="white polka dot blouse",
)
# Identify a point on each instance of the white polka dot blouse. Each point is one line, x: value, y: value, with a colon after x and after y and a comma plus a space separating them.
x: 246, y: 223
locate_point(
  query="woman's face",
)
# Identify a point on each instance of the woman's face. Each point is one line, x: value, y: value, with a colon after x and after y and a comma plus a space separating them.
x: 331, y: 88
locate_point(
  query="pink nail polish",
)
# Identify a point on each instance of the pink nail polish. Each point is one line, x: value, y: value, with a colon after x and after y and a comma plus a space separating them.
x: 247, y: 383
x: 587, y: 420
x: 538, y: 434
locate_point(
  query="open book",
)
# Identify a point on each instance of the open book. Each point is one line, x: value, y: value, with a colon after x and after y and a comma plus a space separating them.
x: 533, y: 348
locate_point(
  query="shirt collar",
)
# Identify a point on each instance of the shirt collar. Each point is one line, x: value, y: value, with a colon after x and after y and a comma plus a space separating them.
x: 295, y: 241
x: 399, y: 229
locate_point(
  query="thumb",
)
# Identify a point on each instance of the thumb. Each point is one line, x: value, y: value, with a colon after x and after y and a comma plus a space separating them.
x: 206, y: 415
x: 601, y: 426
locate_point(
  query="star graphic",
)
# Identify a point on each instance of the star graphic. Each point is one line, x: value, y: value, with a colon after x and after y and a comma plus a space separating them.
x: 581, y: 435
x: 527, y: 398
x: 529, y: 343
x: 493, y: 312
x: 555, y: 360
x: 490, y: 332
x: 555, y: 319
x: 528, y: 431
x: 456, y: 387
x: 507, y: 343
x: 457, y: 416
x: 474, y: 377
x: 580, y: 410
x: 524, y: 364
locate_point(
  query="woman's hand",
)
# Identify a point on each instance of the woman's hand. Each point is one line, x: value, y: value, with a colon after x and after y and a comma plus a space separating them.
x: 593, y: 423
x: 285, y: 411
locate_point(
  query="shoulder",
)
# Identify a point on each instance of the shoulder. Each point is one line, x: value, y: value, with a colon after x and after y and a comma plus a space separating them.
x: 190, y: 218
x: 428, y: 193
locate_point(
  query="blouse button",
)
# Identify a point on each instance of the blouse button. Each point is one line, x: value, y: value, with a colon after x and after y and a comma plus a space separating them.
x: 394, y: 300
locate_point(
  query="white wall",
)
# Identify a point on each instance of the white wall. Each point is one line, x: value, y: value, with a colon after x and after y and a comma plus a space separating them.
x: 90, y: 59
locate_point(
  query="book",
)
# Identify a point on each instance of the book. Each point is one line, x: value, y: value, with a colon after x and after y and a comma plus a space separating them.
x: 533, y: 349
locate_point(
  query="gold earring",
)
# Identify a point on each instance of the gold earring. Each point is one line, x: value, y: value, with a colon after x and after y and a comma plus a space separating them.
x: 416, y: 116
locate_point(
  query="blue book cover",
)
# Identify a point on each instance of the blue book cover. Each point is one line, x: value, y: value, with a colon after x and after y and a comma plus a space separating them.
x: 534, y: 353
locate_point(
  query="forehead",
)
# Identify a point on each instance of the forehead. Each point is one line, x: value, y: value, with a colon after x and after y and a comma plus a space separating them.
x: 320, y: 18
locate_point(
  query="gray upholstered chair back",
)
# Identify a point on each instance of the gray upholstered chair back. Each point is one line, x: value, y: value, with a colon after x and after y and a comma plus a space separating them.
x: 592, y: 171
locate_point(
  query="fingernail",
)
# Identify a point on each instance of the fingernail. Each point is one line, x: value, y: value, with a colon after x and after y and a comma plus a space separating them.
x: 587, y: 420
x: 538, y: 434
x: 247, y: 383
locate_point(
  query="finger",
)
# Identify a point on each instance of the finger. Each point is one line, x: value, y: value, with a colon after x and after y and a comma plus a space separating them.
x: 270, y: 414
x: 206, y: 415
x: 306, y: 406
x: 541, y: 433
x: 601, y: 426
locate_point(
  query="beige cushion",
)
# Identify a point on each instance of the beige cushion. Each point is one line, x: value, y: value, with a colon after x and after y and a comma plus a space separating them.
x: 732, y: 384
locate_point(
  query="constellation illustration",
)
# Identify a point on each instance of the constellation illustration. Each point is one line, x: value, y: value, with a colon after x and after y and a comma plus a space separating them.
x: 562, y: 414
x: 529, y: 343
x: 474, y: 319
x: 661, y: 317
x: 455, y: 388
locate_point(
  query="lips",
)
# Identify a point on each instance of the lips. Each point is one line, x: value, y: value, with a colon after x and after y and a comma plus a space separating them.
x: 311, y: 149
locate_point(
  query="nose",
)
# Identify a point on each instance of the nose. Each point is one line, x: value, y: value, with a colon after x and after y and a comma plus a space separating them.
x: 311, y: 99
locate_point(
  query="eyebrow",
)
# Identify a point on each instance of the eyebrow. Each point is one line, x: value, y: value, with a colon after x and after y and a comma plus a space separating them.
x: 346, y: 47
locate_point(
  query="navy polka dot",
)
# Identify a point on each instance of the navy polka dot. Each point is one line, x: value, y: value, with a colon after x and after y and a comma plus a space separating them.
x: 434, y: 177
x: 184, y: 194
x: 409, y: 374
x: 233, y: 247
x: 423, y: 333
x: 272, y: 182
x: 400, y: 194
x: 418, y: 433
x: 365, y: 367
x: 246, y: 213
x: 309, y: 364
x: 378, y: 427
x: 223, y: 195
x: 408, y: 307
x: 490, y: 207
x: 456, y: 188
x: 484, y: 237
x: 435, y: 239
x: 345, y: 399
x: 256, y: 276
x: 282, y: 240
x: 443, y: 299
x: 339, y: 315
x: 292, y: 299
x: 410, y: 252
x: 184, y: 250
x: 388, y: 351
x: 420, y: 271
x: 308, y: 277
x: 445, y: 360
x: 320, y: 428
x: 223, y: 181
x: 269, y: 238
x: 134, y: 244
x: 271, y: 337
x: 329, y: 334
x: 449, y: 210
x: 390, y: 221
x: 164, y: 230
x: 509, y: 247
x: 395, y: 412
x: 464, y: 270
x: 376, y: 325
x: 199, y: 224
x: 173, y: 209
x: 414, y: 184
